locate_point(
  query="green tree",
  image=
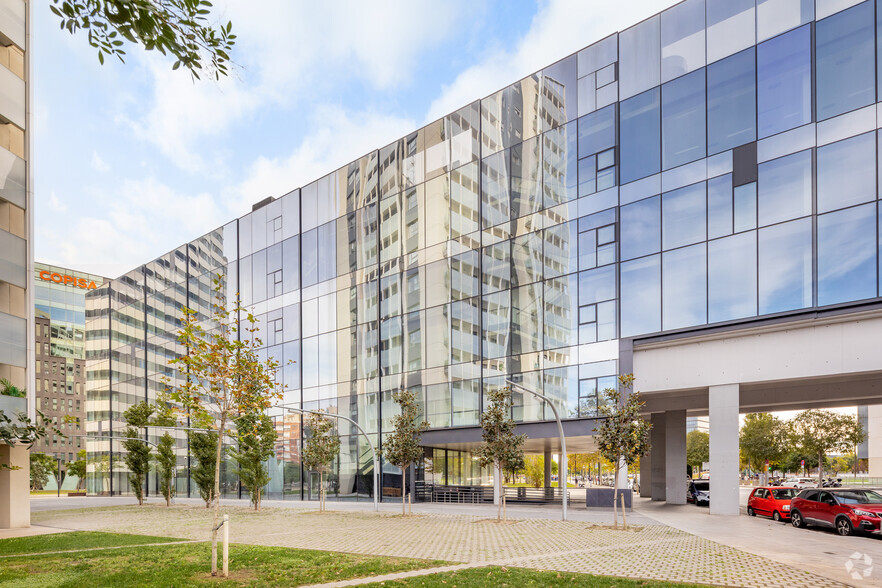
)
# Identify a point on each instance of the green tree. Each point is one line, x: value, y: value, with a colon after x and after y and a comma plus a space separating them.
x: 221, y: 375
x: 78, y: 468
x: 256, y: 437
x: 137, y: 457
x: 203, y: 448
x: 180, y: 28
x: 501, y: 446
x: 697, y: 448
x: 42, y: 466
x: 402, y: 447
x: 622, y: 436
x: 320, y: 449
x: 762, y: 437
x: 166, y: 459
x: 819, y: 432
x: 534, y: 470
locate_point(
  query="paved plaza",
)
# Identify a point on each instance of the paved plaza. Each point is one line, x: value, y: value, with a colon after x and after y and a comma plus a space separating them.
x: 534, y: 538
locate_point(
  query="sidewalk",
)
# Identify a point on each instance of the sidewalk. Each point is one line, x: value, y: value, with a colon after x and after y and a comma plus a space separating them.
x: 467, y: 534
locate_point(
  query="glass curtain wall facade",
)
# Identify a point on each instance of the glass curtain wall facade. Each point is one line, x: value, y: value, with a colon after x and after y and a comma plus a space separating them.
x: 713, y: 164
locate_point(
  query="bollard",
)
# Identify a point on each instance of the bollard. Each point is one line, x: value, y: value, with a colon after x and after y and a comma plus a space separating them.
x: 226, y: 546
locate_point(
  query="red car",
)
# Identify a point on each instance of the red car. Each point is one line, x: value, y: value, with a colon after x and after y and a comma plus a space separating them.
x: 846, y: 510
x: 771, y: 501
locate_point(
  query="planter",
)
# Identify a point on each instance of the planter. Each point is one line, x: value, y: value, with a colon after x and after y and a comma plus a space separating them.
x: 77, y: 493
x: 603, y: 497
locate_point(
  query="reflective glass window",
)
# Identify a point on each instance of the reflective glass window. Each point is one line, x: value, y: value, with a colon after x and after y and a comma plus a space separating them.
x: 640, y: 136
x: 846, y: 172
x: 847, y: 255
x: 731, y: 27
x: 465, y: 343
x: 597, y: 131
x: 526, y: 259
x: 526, y: 319
x: 641, y: 296
x: 597, y: 285
x: 465, y: 396
x: 776, y: 16
x: 682, y: 39
x: 526, y: 178
x: 684, y: 287
x: 744, y: 207
x: 464, y: 200
x: 684, y: 214
x: 310, y: 257
x: 719, y: 206
x: 732, y: 277
x: 496, y: 268
x: 784, y: 82
x: 560, y: 253
x: 558, y: 93
x: 639, y: 57
x: 598, y: 55
x: 465, y: 278
x: 731, y: 102
x: 438, y: 210
x: 641, y: 228
x: 496, y: 321
x: 559, y: 156
x: 327, y: 251
x: 561, y: 312
x: 683, y: 120
x: 785, y: 188
x: 785, y: 266
x: 879, y: 49
x: 495, y: 189
x: 844, y: 54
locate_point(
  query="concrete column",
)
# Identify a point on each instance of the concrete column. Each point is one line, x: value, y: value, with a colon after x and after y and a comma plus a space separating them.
x: 646, y: 476
x: 623, y: 475
x: 657, y: 451
x: 874, y: 440
x: 497, y: 485
x: 675, y: 457
x: 723, y: 408
x: 547, y: 468
x: 15, y: 488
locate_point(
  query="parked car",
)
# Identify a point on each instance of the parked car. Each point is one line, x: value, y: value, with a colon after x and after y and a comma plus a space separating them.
x: 771, y: 501
x: 698, y: 491
x: 846, y: 510
x: 800, y: 483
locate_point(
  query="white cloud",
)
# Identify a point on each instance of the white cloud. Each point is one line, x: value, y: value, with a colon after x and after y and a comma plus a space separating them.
x: 341, y: 137
x: 98, y: 164
x: 148, y: 221
x: 55, y: 204
x: 284, y: 59
x: 561, y: 27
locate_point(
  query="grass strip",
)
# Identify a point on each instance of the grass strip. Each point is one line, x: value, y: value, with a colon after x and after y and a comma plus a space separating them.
x: 519, y: 577
x: 74, y: 540
x: 189, y: 564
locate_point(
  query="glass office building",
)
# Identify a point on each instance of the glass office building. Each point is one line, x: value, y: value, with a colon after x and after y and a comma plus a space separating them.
x: 712, y: 165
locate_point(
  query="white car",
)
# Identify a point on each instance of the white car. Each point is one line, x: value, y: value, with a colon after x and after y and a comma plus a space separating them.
x: 800, y: 483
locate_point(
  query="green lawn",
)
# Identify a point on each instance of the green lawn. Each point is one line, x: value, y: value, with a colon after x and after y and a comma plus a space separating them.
x: 74, y: 540
x: 517, y: 577
x: 178, y: 565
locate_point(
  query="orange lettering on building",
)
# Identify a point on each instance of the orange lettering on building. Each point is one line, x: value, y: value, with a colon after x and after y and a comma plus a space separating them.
x: 67, y: 280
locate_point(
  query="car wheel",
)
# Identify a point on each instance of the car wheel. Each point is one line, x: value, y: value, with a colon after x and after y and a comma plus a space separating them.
x: 796, y: 520
x: 776, y: 516
x: 844, y: 527
x: 751, y: 512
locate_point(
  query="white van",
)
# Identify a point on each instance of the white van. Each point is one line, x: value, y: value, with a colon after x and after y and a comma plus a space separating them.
x: 800, y: 483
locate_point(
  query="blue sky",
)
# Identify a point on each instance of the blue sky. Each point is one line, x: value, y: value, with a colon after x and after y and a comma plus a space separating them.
x: 132, y: 160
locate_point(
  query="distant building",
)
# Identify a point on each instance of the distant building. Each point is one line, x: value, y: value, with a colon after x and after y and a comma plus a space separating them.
x: 60, y: 353
x: 697, y: 424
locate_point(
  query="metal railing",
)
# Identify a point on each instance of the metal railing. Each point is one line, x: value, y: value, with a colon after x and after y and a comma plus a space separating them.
x: 535, y: 495
x: 453, y: 494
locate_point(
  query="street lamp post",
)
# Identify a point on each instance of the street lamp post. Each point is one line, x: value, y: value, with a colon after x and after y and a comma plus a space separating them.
x: 302, y: 411
x: 563, y: 441
x: 58, y: 477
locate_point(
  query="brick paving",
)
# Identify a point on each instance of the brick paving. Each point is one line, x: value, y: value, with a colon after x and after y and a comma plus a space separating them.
x: 650, y: 551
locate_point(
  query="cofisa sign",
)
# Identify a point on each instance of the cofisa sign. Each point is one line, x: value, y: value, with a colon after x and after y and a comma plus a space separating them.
x: 67, y: 280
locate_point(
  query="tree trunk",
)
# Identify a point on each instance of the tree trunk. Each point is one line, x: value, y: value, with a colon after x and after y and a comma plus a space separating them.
x: 497, y: 473
x: 216, y: 497
x: 403, y: 493
x: 615, y: 499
